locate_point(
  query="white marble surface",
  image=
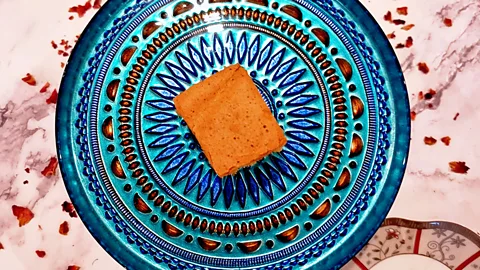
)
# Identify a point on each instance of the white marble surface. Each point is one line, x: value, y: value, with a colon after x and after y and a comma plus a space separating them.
x: 430, y: 190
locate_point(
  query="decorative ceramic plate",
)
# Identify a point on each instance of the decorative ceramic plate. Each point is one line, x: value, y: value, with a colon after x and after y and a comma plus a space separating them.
x: 139, y: 179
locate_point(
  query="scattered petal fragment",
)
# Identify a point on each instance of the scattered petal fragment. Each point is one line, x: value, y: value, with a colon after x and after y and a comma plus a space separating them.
x: 429, y: 140
x: 446, y: 140
x: 23, y: 214
x: 459, y: 167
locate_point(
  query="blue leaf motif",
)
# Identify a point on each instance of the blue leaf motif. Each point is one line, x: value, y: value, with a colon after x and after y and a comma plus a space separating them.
x: 215, y: 190
x: 178, y: 72
x: 252, y: 187
x: 302, y: 136
x: 196, y: 57
x: 292, y: 78
x: 171, y: 82
x: 230, y: 47
x: 183, y: 172
x: 204, y: 185
x: 284, y: 69
x: 228, y: 191
x: 275, y: 176
x: 241, y: 190
x: 253, y: 50
x: 161, y: 117
x: 293, y: 159
x: 299, y: 148
x: 264, y: 182
x: 186, y: 64
x: 265, y: 55
x: 164, y: 92
x: 175, y: 162
x: 161, y: 129
x: 164, y: 140
x: 301, y: 100
x: 297, y: 89
x: 206, y: 51
x: 304, y: 112
x: 242, y: 48
x: 161, y: 105
x: 169, y: 152
x: 218, y: 48
x: 275, y: 61
x: 304, y: 124
x: 193, y: 179
x: 284, y: 168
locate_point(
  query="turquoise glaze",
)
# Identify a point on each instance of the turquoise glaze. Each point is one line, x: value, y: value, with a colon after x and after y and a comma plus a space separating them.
x: 139, y: 179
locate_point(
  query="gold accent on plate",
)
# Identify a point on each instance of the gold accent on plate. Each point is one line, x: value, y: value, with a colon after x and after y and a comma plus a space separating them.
x: 250, y: 246
x: 343, y: 180
x: 208, y: 244
x: 127, y: 54
x: 117, y: 168
x: 322, y: 211
x: 171, y: 230
x: 140, y: 204
x: 107, y: 128
x: 357, y: 145
x: 357, y: 107
x: 345, y: 68
x: 289, y: 234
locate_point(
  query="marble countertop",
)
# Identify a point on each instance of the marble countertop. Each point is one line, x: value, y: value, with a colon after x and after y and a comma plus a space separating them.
x: 444, y: 102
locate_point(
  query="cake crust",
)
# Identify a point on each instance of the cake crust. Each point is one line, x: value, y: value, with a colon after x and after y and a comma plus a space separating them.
x: 230, y: 120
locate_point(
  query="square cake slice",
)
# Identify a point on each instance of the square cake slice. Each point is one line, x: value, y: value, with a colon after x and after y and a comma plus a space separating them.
x: 230, y: 120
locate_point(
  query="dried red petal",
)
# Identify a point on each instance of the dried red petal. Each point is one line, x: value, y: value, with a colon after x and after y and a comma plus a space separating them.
x: 448, y: 22
x: 458, y: 167
x: 29, y: 79
x: 62, y: 64
x: 446, y: 140
x: 97, y: 4
x: 81, y: 9
x: 398, y: 22
x: 420, y: 95
x: 51, y: 167
x: 429, y: 140
x: 402, y: 10
x: 409, y: 42
x: 1, y: 246
x: 408, y: 27
x: 73, y: 267
x: 40, y: 253
x: 64, y: 228
x: 25, y: 182
x: 27, y: 170
x: 391, y: 35
x: 68, y: 207
x: 430, y: 94
x: 400, y: 46
x: 413, y: 116
x: 456, y: 116
x: 54, y: 45
x: 23, y: 214
x: 388, y: 17
x: 45, y: 87
x: 53, y: 97
x: 423, y: 67
x: 71, y: 18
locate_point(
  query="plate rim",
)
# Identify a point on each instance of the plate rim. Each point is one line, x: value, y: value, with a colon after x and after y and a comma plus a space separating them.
x: 68, y: 159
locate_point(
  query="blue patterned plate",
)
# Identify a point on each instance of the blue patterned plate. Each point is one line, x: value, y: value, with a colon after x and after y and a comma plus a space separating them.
x: 144, y: 188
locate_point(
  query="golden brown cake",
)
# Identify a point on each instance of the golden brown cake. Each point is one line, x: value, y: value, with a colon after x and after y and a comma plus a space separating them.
x: 230, y: 120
